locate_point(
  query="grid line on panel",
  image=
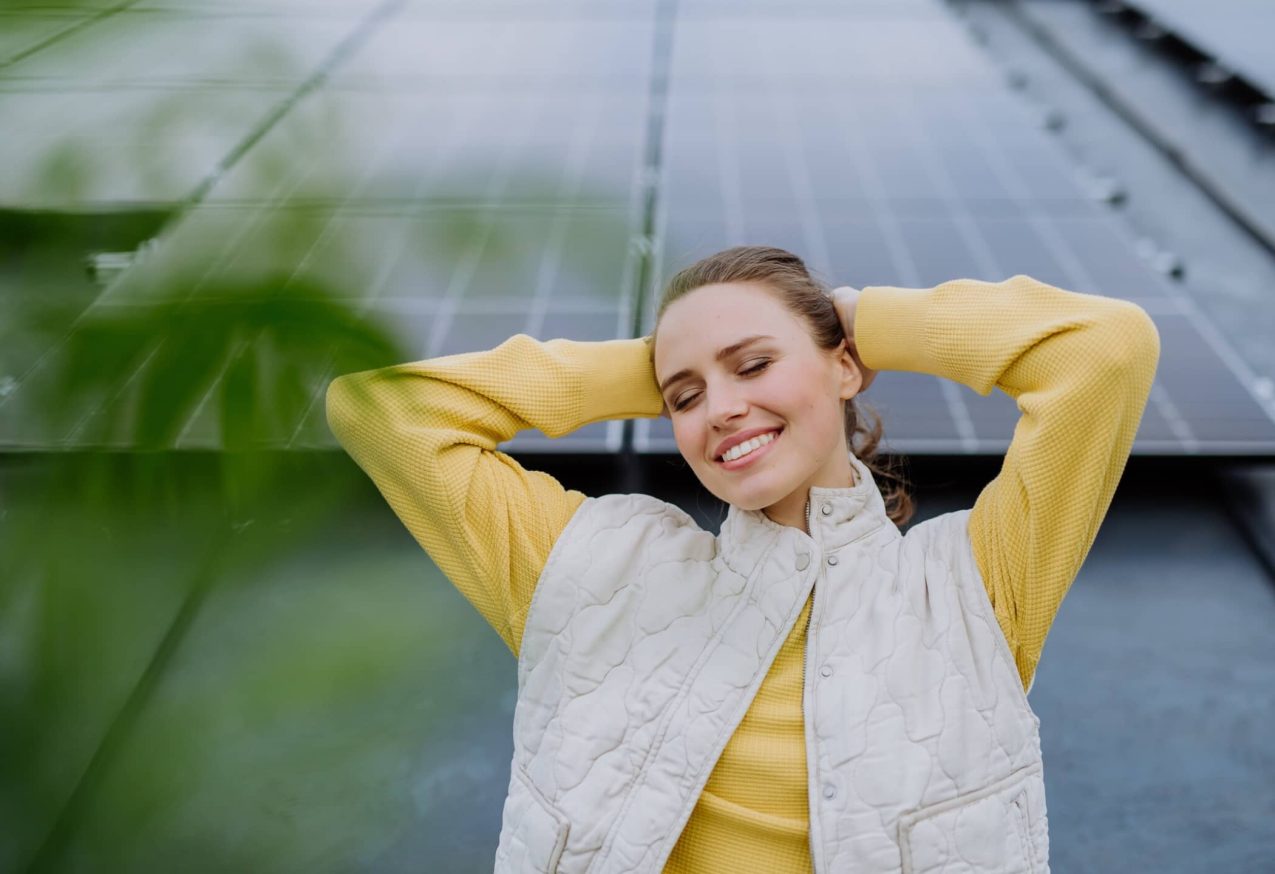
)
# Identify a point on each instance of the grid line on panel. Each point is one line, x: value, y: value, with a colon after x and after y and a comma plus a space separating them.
x: 223, y: 257
x: 1014, y: 183
x: 331, y: 223
x: 851, y: 126
x: 57, y: 86
x: 551, y: 260
x: 646, y: 247
x: 66, y: 32
x: 1177, y: 424
x: 573, y: 176
x: 812, y: 230
x: 969, y: 231
x: 960, y: 413
x: 725, y: 127
x: 453, y: 137
x: 468, y: 264
x: 343, y: 50
x: 377, y: 284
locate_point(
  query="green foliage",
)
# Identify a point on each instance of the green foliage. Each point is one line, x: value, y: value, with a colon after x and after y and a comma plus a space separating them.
x: 107, y: 559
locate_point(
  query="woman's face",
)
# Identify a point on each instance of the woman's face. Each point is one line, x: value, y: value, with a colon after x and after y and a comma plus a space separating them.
x: 732, y: 361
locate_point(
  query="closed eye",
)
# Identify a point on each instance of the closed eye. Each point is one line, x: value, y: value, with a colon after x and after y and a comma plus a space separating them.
x: 685, y: 400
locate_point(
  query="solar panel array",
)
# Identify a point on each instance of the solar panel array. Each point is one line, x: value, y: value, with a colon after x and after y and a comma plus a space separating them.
x: 464, y: 172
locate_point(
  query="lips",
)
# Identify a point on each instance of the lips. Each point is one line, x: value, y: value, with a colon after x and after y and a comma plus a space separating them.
x: 742, y: 437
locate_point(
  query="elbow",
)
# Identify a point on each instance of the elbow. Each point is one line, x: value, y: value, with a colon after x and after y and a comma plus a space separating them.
x: 1138, y: 337
x: 1133, y: 343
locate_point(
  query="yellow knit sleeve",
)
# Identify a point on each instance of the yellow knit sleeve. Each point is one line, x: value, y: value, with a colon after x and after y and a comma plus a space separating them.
x: 426, y: 433
x: 1080, y: 368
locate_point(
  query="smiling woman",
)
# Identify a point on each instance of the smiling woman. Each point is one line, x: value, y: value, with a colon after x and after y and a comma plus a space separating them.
x: 810, y: 688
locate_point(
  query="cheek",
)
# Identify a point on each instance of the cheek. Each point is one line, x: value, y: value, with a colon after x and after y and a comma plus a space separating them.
x: 825, y: 420
x: 689, y: 438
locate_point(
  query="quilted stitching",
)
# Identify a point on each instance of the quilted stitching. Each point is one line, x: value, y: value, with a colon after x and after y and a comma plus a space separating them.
x: 648, y: 638
x: 532, y: 834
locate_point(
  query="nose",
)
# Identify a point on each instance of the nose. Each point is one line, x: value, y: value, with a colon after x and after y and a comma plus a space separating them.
x: 725, y: 402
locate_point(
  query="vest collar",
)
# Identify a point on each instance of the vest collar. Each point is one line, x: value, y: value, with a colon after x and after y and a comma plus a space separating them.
x: 837, y: 517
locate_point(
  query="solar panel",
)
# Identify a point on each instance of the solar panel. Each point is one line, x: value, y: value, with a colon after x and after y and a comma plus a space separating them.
x: 454, y: 211
x: 912, y: 182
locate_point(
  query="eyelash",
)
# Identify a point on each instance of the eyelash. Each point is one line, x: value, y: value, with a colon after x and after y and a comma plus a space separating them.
x: 762, y: 364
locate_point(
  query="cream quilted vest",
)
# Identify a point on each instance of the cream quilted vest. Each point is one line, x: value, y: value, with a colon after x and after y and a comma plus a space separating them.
x: 648, y: 637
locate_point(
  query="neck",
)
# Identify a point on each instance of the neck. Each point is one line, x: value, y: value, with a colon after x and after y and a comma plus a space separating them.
x: 791, y: 511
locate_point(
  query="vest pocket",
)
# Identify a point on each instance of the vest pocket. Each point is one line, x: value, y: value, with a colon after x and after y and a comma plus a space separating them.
x: 533, y: 832
x: 992, y: 830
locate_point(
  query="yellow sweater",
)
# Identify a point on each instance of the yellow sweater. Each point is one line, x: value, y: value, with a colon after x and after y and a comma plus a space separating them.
x: 1080, y: 367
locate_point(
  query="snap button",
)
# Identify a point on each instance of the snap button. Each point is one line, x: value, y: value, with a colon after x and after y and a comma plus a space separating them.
x: 829, y: 791
x: 832, y: 559
x: 826, y: 509
x: 803, y: 561
x: 825, y: 671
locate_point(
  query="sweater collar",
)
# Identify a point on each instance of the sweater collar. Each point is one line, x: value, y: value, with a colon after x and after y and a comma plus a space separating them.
x: 838, y: 516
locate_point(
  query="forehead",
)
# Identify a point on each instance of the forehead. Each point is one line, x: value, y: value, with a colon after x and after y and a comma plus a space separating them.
x: 695, y: 326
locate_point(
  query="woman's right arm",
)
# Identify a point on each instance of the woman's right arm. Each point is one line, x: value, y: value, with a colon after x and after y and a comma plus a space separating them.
x: 426, y: 433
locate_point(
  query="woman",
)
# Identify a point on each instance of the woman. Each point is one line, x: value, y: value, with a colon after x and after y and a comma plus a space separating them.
x: 810, y: 688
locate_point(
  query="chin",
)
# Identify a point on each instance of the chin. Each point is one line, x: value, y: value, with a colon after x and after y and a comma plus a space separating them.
x: 750, y: 496
x: 753, y: 500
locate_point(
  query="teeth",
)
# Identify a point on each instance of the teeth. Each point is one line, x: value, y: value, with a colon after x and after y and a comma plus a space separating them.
x: 748, y: 446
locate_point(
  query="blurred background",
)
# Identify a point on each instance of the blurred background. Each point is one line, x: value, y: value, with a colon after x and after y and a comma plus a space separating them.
x: 219, y: 650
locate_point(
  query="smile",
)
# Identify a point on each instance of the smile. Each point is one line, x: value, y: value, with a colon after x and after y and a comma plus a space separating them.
x: 749, y: 451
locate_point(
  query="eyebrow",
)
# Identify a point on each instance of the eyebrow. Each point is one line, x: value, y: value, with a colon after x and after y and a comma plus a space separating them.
x: 723, y: 353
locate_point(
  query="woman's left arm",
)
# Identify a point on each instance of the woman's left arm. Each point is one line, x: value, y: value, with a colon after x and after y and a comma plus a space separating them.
x: 1080, y: 367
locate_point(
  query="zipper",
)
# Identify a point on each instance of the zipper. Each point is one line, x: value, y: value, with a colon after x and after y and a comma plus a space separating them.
x: 1024, y: 832
x: 804, y: 658
x: 811, y: 614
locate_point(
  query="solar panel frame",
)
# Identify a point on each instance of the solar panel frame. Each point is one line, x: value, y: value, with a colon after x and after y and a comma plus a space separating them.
x: 1235, y: 32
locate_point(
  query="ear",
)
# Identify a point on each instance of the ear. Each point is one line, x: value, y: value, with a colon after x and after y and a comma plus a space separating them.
x: 849, y: 376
